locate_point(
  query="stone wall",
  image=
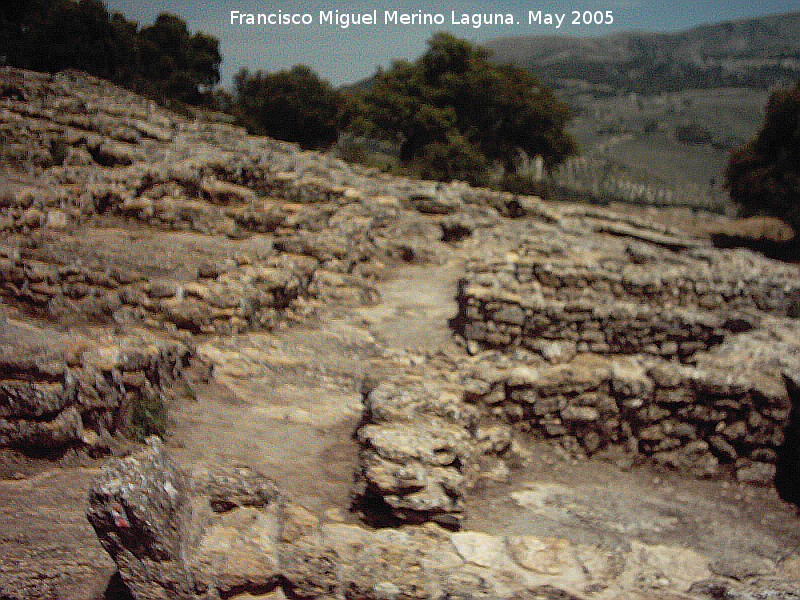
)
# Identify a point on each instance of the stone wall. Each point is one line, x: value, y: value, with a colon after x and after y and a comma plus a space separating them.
x: 633, y: 297
x: 636, y: 343
x: 416, y: 453
x: 499, y: 319
x: 701, y: 419
x: 59, y: 391
x: 242, y: 297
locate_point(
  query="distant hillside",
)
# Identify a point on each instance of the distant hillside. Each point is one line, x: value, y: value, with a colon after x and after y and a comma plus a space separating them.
x: 755, y: 53
x: 656, y: 114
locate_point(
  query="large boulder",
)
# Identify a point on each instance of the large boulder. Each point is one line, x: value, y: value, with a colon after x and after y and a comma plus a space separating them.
x: 140, y: 509
x: 178, y: 536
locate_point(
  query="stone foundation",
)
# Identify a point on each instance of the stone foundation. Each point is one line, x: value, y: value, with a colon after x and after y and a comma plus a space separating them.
x: 59, y: 391
x: 636, y: 344
x: 701, y: 419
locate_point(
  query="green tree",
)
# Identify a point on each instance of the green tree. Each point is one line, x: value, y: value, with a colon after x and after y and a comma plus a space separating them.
x: 453, y: 158
x: 176, y: 63
x: 294, y: 105
x: 763, y: 176
x: 58, y: 34
x: 164, y: 59
x: 454, y: 102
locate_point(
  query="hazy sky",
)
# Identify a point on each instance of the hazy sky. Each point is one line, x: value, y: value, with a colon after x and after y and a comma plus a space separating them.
x: 347, y: 55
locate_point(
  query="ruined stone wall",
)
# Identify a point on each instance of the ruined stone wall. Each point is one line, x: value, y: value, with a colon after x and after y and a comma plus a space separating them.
x: 638, y: 342
x: 88, y: 157
x: 684, y: 285
x: 698, y: 419
x: 58, y: 392
x: 623, y: 303
x: 498, y: 319
x: 241, y: 298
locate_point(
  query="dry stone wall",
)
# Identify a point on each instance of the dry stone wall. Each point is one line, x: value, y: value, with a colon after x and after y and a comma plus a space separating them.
x: 243, y: 296
x: 637, y: 343
x: 424, y: 444
x: 416, y: 454
x: 84, y: 156
x: 704, y: 420
x: 499, y: 320
x: 59, y: 391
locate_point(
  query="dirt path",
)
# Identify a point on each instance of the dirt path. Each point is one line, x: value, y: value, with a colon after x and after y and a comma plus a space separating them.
x: 48, y: 548
x: 416, y: 307
x: 287, y: 404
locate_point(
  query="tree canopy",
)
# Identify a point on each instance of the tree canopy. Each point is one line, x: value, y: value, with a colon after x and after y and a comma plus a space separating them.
x: 294, y: 105
x: 164, y: 59
x: 453, y: 102
x: 763, y: 176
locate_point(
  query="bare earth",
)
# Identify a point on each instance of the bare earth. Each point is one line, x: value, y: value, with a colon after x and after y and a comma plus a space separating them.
x: 288, y: 403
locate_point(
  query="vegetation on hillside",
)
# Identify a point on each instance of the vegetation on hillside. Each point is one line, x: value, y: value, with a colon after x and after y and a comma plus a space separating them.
x: 293, y: 105
x: 449, y: 115
x: 163, y: 60
x: 455, y: 113
x: 763, y: 176
x: 754, y: 53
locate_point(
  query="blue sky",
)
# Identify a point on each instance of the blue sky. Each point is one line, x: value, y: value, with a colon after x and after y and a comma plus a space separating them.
x: 347, y: 55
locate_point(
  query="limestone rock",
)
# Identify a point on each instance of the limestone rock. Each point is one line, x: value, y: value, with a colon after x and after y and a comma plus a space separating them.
x: 414, y: 454
x: 175, y: 536
x: 141, y: 512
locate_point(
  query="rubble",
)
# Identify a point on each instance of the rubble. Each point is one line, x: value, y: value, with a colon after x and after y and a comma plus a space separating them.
x: 130, y: 234
x: 158, y: 525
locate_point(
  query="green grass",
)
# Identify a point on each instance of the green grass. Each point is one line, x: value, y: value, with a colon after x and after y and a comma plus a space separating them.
x: 148, y: 416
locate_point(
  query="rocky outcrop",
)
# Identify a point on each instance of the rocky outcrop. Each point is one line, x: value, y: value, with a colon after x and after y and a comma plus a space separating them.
x: 180, y: 537
x: 229, y: 533
x: 59, y: 391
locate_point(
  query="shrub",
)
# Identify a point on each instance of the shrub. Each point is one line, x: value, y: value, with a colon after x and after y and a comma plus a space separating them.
x: 294, y: 105
x: 763, y: 176
x: 148, y: 416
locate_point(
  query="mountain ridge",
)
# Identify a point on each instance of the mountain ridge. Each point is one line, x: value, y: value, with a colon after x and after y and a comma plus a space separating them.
x: 758, y: 52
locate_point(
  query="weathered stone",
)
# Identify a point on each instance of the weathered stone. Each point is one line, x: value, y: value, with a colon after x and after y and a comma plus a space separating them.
x: 140, y: 509
x: 172, y: 536
x: 756, y: 473
x: 580, y: 413
x: 414, y: 456
x: 547, y: 556
x: 433, y: 203
x: 741, y: 568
